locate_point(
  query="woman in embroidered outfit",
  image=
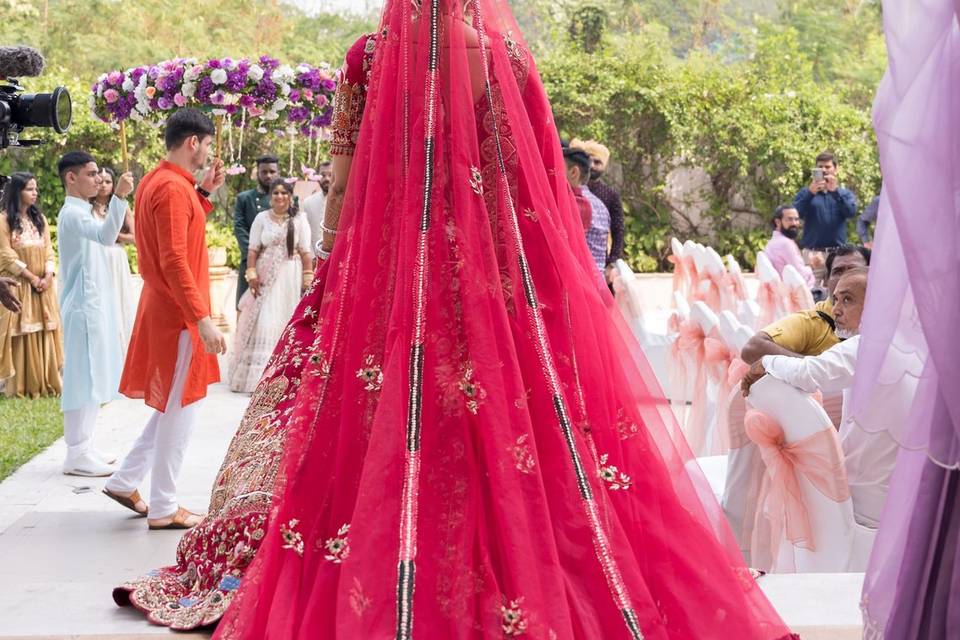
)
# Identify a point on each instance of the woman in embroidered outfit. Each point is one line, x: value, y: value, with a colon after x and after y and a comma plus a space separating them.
x: 281, y: 268
x: 469, y: 449
x: 121, y: 280
x: 26, y: 253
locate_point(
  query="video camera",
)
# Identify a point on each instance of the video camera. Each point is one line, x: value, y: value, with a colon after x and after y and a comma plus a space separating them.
x: 20, y: 110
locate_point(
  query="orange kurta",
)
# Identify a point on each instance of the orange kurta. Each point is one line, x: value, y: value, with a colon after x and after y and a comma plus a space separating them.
x: 172, y: 255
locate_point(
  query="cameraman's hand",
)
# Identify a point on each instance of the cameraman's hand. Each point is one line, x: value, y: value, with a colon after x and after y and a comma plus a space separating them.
x: 831, y: 183
x: 124, y: 185
x: 816, y: 186
x: 213, y: 340
x: 215, y: 176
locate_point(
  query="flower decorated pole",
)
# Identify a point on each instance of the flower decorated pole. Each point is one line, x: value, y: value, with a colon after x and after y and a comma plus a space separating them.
x: 262, y: 94
x: 123, y: 146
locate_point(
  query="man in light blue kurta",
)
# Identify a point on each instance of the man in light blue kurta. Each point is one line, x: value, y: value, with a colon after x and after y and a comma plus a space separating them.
x: 93, y: 359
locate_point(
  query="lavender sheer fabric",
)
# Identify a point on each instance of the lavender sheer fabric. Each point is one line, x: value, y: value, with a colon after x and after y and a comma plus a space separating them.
x: 912, y: 578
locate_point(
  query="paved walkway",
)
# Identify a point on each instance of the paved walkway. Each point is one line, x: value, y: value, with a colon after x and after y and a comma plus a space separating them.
x: 64, y: 545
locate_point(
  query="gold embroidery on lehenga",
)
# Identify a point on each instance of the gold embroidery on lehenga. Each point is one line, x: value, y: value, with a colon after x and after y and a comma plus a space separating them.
x: 371, y: 374
x: 522, y: 457
x: 338, y: 547
x: 610, y: 474
x: 514, y: 619
x: 474, y: 393
x: 292, y: 539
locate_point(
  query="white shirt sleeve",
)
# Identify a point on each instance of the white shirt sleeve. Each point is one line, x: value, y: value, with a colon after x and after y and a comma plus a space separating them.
x: 256, y: 231
x: 831, y: 371
x: 81, y: 223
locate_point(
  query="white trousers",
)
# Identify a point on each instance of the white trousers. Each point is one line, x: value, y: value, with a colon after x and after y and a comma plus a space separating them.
x: 161, y: 446
x: 78, y: 427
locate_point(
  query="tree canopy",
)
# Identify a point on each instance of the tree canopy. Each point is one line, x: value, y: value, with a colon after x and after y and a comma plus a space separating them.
x: 739, y: 94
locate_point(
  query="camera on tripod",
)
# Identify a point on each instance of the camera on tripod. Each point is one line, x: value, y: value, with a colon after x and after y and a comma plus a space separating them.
x: 19, y: 110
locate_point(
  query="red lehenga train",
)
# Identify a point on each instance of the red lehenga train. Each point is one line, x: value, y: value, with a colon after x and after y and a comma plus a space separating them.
x: 463, y: 438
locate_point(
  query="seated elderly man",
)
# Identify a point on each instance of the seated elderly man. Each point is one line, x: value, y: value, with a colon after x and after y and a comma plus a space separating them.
x: 869, y: 452
x: 811, y: 332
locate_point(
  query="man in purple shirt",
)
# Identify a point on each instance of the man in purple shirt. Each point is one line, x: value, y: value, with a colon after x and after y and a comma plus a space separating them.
x: 782, y: 248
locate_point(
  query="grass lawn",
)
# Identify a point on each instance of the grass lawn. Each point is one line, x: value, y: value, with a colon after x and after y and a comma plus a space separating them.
x: 27, y: 427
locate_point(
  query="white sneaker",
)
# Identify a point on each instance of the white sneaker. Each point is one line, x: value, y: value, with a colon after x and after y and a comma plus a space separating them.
x: 106, y: 457
x: 87, y: 465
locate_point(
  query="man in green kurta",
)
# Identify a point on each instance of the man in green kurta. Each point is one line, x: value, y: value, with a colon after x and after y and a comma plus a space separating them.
x: 249, y: 204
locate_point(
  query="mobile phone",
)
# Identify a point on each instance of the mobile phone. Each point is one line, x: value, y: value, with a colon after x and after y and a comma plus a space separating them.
x: 818, y: 173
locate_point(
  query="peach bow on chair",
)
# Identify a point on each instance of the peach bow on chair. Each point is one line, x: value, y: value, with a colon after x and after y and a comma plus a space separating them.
x: 684, y: 273
x: 687, y: 355
x: 769, y: 298
x: 798, y: 299
x: 726, y: 370
x: 737, y: 288
x: 817, y: 457
x: 709, y: 290
x: 718, y: 359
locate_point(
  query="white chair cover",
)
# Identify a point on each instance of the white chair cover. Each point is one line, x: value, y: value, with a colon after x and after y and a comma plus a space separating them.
x: 831, y: 522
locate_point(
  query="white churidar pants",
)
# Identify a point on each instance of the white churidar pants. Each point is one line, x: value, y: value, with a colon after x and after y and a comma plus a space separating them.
x: 78, y: 427
x: 161, y: 446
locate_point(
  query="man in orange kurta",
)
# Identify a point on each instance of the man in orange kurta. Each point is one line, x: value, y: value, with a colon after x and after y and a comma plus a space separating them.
x: 172, y: 355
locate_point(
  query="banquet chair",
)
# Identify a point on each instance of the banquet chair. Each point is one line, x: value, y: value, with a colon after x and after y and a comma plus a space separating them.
x: 797, y: 296
x: 769, y: 295
x: 827, y: 544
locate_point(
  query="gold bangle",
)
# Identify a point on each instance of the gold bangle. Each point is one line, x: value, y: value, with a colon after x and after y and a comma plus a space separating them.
x: 251, y: 274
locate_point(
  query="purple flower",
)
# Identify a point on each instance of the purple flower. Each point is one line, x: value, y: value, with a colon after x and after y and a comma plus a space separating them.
x: 247, y: 101
x: 216, y: 97
x: 329, y: 85
x: 294, y: 96
x: 165, y: 103
x: 213, y: 64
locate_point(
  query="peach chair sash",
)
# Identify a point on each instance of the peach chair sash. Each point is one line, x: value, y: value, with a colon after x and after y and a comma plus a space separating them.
x: 817, y: 457
x: 798, y: 298
x: 769, y: 299
x: 687, y: 355
x: 684, y: 273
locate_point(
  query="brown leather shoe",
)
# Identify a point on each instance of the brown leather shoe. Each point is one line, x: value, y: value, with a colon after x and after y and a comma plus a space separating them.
x: 182, y: 519
x: 133, y: 501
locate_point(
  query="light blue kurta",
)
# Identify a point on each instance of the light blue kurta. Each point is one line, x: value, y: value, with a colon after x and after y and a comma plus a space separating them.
x: 93, y: 358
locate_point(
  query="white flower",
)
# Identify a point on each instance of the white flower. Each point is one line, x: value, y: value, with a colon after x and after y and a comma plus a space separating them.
x: 218, y: 76
x: 193, y: 72
x: 127, y: 84
x: 135, y: 115
x: 270, y: 115
x: 303, y: 68
x: 232, y: 64
x: 255, y: 73
x: 282, y: 73
x: 99, y: 90
x: 189, y: 89
x: 285, y: 89
x: 101, y: 77
x: 279, y: 105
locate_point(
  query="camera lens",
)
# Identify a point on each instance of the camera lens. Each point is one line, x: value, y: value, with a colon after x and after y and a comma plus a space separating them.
x: 45, y: 110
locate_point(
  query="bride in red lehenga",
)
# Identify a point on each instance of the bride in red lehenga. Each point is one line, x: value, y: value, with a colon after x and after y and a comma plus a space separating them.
x: 473, y: 445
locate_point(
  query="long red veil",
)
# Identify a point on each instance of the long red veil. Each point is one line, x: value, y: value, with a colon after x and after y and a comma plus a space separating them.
x: 477, y: 447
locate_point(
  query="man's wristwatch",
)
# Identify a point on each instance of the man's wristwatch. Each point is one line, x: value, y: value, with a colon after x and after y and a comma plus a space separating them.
x: 202, y: 191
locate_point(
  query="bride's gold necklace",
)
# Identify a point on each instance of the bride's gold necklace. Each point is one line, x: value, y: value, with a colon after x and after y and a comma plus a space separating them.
x: 278, y: 218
